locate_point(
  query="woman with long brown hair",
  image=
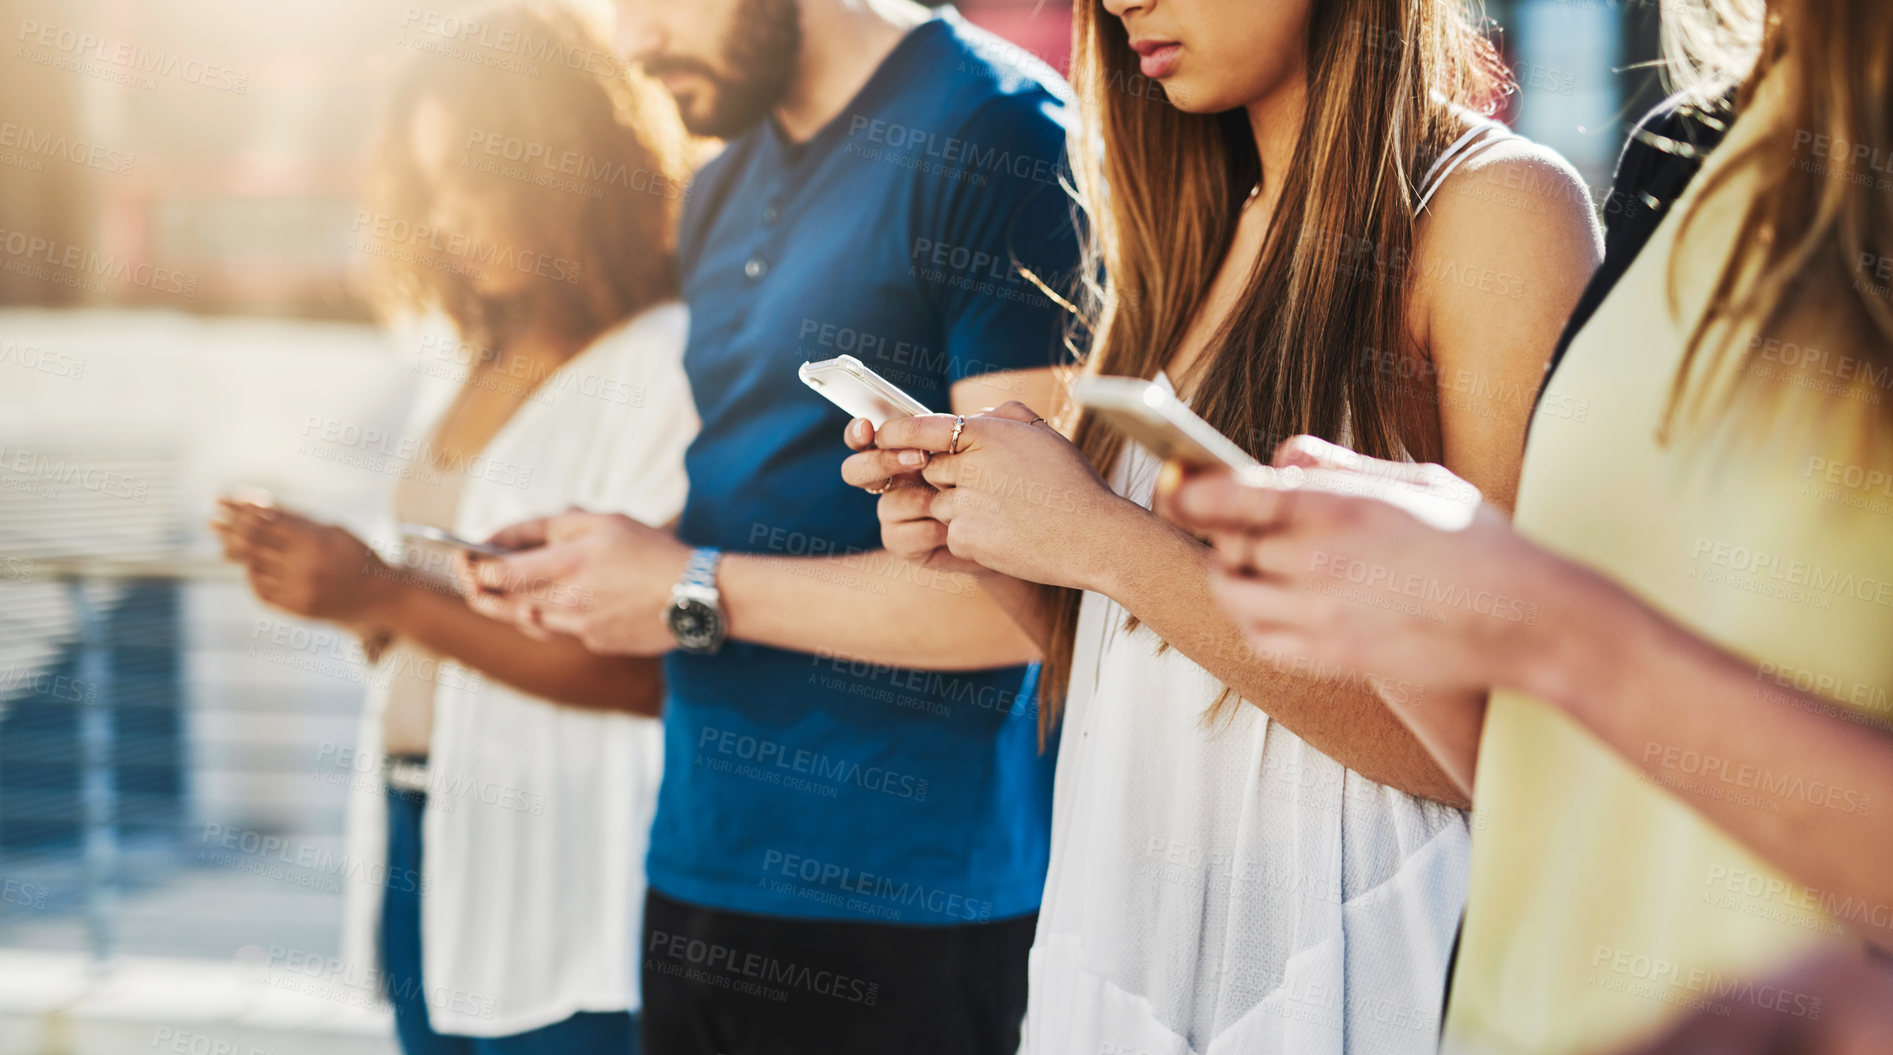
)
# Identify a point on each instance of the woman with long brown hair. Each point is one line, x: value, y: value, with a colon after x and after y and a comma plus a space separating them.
x: 503, y: 784
x: 1315, y: 230
x: 1681, y: 763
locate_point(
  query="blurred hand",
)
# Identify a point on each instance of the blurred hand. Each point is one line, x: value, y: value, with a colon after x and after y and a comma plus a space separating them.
x: 602, y: 578
x: 1344, y: 573
x: 1839, y: 1005
x: 1018, y: 498
x: 305, y: 568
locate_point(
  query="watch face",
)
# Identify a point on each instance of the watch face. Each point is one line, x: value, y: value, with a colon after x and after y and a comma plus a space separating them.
x: 697, y: 626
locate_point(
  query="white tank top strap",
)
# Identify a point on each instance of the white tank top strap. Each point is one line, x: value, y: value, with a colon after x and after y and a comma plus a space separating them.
x: 1481, y: 135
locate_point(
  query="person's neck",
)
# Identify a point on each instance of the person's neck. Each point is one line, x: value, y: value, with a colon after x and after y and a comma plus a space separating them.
x: 843, y: 43
x: 1275, y: 120
x: 542, y: 342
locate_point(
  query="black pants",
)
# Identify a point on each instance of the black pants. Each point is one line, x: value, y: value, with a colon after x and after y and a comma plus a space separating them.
x: 724, y: 982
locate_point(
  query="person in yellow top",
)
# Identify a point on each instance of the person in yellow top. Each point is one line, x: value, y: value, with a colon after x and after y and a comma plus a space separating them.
x: 1668, y: 685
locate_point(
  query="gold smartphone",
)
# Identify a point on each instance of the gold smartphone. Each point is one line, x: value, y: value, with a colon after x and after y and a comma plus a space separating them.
x: 1144, y: 411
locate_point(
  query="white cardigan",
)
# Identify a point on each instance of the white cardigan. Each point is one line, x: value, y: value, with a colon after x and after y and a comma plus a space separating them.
x: 535, y: 830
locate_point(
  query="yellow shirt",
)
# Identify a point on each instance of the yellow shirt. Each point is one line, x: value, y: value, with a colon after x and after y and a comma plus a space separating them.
x: 1601, y: 905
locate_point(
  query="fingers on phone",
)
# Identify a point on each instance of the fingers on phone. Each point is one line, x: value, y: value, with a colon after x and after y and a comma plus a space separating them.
x: 1312, y: 452
x: 1012, y: 410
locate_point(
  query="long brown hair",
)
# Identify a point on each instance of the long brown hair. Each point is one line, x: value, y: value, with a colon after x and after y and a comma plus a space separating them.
x: 1303, y: 350
x: 1814, y: 238
x: 585, y: 160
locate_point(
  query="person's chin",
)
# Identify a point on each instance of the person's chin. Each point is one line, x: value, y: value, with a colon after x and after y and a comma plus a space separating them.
x: 722, y: 116
x: 1188, y: 95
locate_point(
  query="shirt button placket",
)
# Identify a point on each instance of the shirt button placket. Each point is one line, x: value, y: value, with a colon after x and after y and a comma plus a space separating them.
x: 756, y: 266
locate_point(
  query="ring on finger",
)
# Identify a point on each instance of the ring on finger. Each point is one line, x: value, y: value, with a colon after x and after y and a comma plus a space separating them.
x: 959, y: 423
x: 881, y: 490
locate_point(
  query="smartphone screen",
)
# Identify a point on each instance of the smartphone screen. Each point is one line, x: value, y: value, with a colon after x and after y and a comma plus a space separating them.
x: 427, y: 533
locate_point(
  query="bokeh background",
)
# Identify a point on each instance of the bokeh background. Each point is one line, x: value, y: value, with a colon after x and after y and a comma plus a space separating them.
x: 177, y: 189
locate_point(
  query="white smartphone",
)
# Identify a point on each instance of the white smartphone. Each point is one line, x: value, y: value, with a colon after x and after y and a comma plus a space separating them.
x: 848, y: 383
x: 427, y: 533
x: 1145, y: 412
x: 1448, y: 509
x: 250, y: 494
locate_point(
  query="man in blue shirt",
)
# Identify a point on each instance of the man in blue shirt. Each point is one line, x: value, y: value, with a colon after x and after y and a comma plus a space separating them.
x: 851, y: 837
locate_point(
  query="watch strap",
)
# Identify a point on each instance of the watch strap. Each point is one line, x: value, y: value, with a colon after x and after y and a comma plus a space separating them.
x: 701, y: 571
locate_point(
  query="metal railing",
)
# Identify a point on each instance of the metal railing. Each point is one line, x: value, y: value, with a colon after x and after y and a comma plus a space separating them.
x: 113, y: 695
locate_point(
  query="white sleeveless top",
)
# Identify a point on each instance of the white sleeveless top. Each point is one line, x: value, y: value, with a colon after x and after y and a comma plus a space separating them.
x: 1223, y: 888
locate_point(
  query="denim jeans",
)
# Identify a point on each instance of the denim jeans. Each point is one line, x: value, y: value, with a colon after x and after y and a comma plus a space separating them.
x: 586, y: 1033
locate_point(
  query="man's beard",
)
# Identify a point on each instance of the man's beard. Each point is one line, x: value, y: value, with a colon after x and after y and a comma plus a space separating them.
x: 760, y: 53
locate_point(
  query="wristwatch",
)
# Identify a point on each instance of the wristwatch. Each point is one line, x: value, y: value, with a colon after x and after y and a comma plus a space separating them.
x: 695, y: 615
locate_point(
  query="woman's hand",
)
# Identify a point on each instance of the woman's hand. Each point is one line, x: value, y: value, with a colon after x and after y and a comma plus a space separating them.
x: 908, y: 529
x: 305, y: 568
x: 1017, y: 498
x: 1347, y: 576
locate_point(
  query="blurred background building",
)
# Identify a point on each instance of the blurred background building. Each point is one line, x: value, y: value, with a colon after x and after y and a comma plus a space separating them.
x: 177, y: 187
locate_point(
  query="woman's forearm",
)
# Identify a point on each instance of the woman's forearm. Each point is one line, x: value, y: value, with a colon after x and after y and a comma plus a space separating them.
x: 873, y: 607
x: 1161, y: 576
x: 558, y: 669
x: 1029, y: 604
x: 1691, y: 715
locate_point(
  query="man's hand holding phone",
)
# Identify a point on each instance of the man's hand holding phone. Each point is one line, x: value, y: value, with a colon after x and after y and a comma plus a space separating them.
x: 603, y: 578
